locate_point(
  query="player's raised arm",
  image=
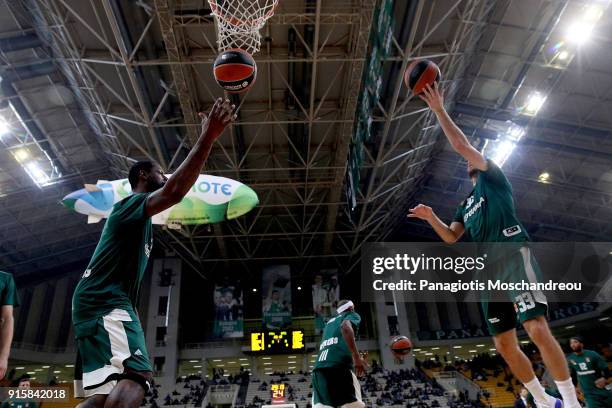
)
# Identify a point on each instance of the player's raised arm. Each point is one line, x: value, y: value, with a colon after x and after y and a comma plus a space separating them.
x: 349, y: 337
x: 435, y: 100
x: 187, y: 173
x: 449, y: 234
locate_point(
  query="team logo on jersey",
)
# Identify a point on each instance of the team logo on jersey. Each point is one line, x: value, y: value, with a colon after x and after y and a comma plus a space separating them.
x: 87, y: 273
x: 472, y: 210
x: 469, y: 202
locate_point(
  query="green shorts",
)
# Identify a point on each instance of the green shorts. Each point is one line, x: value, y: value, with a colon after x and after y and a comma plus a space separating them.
x: 506, y: 310
x: 106, y: 348
x: 335, y: 387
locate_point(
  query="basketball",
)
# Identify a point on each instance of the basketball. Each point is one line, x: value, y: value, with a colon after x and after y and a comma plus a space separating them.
x: 421, y: 73
x: 235, y: 70
x: 401, y: 346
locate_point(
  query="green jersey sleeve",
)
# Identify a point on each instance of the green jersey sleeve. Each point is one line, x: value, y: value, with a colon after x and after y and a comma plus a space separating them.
x: 132, y: 208
x: 495, y: 175
x: 458, y: 217
x: 8, y: 290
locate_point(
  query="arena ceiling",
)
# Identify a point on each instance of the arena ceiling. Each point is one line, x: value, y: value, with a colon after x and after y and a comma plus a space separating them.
x: 104, y: 83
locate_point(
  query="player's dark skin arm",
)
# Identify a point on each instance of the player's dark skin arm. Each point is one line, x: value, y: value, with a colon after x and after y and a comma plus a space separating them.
x: 181, y: 181
x: 349, y: 337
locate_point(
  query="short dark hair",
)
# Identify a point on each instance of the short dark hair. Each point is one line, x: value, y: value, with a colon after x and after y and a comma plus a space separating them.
x: 134, y: 174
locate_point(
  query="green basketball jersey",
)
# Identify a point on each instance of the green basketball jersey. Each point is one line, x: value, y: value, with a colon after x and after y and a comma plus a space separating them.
x: 113, y: 276
x: 488, y: 214
x: 333, y: 350
x: 588, y: 367
x: 8, y: 290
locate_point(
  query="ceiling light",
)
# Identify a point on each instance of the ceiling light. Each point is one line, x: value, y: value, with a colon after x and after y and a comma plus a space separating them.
x: 36, y: 173
x: 46, y: 366
x: 299, y: 288
x: 601, y: 319
x: 19, y: 368
x: 56, y: 372
x: 480, y: 345
x: 243, y: 359
x: 543, y: 177
x: 217, y: 360
x: 535, y: 102
x: 472, y: 351
x: 244, y: 364
x: 4, y: 127
x: 194, y: 361
x: 563, y: 55
x: 267, y: 363
x: 502, y: 152
x: 69, y: 365
x: 254, y: 290
x: 30, y: 372
x: 435, y: 348
x: 593, y: 13
x: 197, y: 366
x: 429, y: 354
x: 579, y: 32
x: 21, y: 154
x: 492, y: 349
x: 515, y: 132
x: 266, y: 358
x: 524, y: 341
x: 570, y: 326
x: 457, y: 347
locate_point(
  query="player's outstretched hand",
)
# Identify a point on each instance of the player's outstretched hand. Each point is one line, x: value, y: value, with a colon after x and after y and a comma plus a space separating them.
x: 361, y: 365
x: 218, y: 118
x: 434, y: 97
x: 421, y: 211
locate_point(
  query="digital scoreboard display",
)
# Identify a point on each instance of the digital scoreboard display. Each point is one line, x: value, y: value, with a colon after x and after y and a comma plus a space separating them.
x: 278, y: 393
x: 282, y: 341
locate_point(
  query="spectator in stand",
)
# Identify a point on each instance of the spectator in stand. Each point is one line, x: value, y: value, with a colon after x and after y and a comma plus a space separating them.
x: 522, y: 399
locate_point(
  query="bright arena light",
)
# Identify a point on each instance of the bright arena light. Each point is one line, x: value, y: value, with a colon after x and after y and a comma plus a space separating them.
x: 502, y: 152
x: 563, y: 55
x: 36, y: 173
x: 544, y: 177
x: 21, y: 154
x: 535, y: 102
x: 593, y: 13
x: 4, y: 127
x: 579, y: 32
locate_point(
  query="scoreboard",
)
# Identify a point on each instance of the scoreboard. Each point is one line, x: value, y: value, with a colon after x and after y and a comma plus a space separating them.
x: 281, y: 341
x: 278, y: 393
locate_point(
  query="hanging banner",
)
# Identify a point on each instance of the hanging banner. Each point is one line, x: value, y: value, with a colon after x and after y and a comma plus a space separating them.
x: 276, y: 292
x: 229, y: 321
x: 325, y: 297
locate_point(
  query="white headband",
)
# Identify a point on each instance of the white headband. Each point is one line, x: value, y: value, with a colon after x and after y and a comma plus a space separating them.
x: 345, y: 307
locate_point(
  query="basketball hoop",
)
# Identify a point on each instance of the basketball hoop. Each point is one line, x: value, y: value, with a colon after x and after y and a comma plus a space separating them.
x: 239, y: 22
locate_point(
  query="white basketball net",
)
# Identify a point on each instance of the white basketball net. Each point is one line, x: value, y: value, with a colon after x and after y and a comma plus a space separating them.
x: 239, y: 22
